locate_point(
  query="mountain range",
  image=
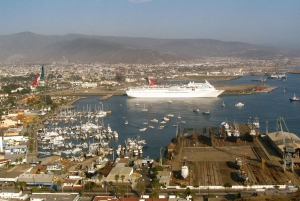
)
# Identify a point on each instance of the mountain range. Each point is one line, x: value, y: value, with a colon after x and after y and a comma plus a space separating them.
x: 31, y: 47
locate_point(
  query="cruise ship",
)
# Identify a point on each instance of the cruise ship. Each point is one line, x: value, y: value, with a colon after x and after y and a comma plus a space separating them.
x: 190, y: 90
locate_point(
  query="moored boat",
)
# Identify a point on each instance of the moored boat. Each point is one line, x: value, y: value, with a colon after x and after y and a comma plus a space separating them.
x: 191, y: 90
x: 206, y: 112
x: 239, y: 104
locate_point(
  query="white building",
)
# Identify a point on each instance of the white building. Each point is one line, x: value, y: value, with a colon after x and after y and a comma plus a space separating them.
x: 7, y: 194
x: 89, y: 85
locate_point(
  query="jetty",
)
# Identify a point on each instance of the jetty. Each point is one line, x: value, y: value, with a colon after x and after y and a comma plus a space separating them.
x: 105, y: 97
x: 266, y: 90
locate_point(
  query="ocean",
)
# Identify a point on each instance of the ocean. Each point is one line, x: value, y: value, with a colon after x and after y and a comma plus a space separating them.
x: 266, y: 106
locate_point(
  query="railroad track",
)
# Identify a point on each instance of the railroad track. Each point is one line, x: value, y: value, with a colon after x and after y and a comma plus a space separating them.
x: 209, y: 173
x: 256, y: 175
x: 275, y: 173
x: 259, y: 153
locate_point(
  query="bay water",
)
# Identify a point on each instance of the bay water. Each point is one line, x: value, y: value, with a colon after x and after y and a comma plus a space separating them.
x: 266, y: 106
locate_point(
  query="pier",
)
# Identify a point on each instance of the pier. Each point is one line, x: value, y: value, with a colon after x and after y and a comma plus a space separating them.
x: 105, y: 97
x: 266, y: 90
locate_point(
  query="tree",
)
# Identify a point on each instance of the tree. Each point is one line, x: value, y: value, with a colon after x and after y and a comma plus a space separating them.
x: 154, y: 195
x: 142, y: 189
x: 117, y: 191
x: 59, y: 184
x: 122, y: 191
x: 227, y: 185
x: 117, y: 177
x: 176, y: 194
x: 16, y: 185
x: 119, y: 77
x: 48, y: 100
x: 122, y: 178
x: 23, y: 185
x: 187, y: 192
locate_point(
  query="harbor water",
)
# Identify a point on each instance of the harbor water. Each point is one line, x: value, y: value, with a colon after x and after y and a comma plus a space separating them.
x: 266, y: 106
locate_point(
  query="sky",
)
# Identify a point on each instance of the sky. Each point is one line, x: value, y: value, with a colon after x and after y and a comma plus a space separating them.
x: 274, y: 22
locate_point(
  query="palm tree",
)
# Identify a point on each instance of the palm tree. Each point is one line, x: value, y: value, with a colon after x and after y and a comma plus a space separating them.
x: 187, y: 192
x: 17, y: 185
x: 122, y: 191
x: 117, y: 190
x: 176, y: 194
x: 117, y: 177
x: 23, y: 185
x: 122, y: 178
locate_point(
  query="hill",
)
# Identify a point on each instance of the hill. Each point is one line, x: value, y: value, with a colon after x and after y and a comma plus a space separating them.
x: 32, y: 47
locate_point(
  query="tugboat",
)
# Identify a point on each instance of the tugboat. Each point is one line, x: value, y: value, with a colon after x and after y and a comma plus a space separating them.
x: 295, y: 98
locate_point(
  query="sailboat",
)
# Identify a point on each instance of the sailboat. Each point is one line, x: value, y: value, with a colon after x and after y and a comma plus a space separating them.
x: 144, y: 109
x: 179, y: 117
x: 223, y: 104
x: 137, y: 103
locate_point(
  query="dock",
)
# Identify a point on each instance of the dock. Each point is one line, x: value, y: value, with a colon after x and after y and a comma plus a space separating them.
x: 212, y: 161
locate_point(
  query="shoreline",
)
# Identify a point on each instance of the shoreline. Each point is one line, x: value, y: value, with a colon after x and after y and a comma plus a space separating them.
x: 244, y: 89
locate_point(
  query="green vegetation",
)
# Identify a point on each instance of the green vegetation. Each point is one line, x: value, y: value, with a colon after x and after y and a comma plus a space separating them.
x: 31, y: 145
x: 90, y: 186
x: 36, y: 190
x: 227, y: 185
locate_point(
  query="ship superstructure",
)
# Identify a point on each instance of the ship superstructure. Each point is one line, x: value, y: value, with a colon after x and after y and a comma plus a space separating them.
x: 190, y: 90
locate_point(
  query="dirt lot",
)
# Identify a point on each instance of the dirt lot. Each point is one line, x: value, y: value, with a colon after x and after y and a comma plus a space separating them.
x: 217, y: 165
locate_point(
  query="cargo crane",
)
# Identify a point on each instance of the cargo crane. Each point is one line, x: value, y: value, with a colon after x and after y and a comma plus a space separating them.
x: 288, y: 145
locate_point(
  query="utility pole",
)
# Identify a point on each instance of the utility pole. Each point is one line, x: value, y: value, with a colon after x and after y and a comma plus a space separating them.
x: 160, y: 159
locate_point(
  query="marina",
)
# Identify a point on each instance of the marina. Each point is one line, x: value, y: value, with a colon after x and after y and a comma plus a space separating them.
x: 225, y: 146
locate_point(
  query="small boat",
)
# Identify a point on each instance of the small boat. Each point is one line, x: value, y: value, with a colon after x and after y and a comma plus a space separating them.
x: 143, y: 129
x: 239, y: 104
x: 126, y: 122
x: 137, y: 103
x: 151, y: 126
x: 169, y: 101
x: 206, y: 112
x: 165, y: 119
x: 196, y: 110
x: 223, y: 104
x: 295, y: 98
x: 154, y: 120
x: 179, y: 117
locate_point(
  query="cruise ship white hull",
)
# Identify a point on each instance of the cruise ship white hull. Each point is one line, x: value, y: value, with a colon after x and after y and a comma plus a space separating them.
x: 192, y: 90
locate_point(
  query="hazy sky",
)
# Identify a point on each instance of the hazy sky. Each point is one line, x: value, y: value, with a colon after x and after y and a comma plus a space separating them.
x: 253, y: 21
